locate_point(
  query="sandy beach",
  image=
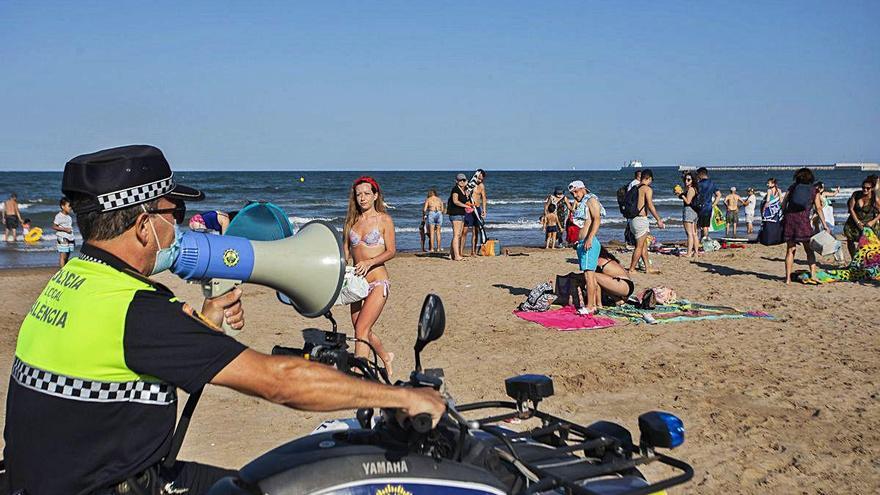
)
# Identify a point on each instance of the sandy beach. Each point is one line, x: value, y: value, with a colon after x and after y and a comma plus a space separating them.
x: 789, y: 405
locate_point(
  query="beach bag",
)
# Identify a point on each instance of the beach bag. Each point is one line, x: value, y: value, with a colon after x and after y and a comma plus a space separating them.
x: 710, y: 245
x: 771, y: 233
x: 539, y: 299
x: 566, y: 289
x: 661, y: 295
x: 492, y: 247
x: 647, y: 300
x: 631, y: 203
x: 800, y: 197
x: 824, y: 243
x: 354, y: 288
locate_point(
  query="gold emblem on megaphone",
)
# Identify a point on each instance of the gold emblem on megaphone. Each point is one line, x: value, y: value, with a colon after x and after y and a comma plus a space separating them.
x: 230, y: 257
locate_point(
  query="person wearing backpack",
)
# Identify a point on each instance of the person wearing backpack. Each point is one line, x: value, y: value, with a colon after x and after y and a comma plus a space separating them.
x: 801, y: 199
x: 704, y: 202
x: 637, y: 203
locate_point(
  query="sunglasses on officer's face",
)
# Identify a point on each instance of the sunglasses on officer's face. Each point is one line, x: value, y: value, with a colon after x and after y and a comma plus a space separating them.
x: 178, y: 212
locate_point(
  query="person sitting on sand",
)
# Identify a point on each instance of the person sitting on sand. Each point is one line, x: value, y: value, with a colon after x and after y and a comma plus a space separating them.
x: 640, y: 226
x: 369, y: 231
x: 614, y: 283
x: 552, y: 226
x: 864, y: 211
x: 433, y: 211
x: 733, y: 201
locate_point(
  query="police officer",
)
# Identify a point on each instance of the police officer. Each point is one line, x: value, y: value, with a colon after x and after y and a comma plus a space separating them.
x: 92, y: 402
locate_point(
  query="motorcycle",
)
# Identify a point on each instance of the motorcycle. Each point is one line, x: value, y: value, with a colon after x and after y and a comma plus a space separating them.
x: 463, y: 455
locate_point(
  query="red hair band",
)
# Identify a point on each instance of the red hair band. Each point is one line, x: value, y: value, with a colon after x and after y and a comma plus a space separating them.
x: 366, y: 180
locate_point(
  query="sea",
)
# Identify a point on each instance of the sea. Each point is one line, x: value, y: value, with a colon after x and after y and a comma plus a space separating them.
x: 515, y: 200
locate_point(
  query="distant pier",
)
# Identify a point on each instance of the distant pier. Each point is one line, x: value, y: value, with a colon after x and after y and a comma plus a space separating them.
x: 863, y: 167
x: 859, y: 167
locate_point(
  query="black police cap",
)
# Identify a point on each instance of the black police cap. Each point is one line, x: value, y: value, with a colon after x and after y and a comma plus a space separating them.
x: 124, y: 176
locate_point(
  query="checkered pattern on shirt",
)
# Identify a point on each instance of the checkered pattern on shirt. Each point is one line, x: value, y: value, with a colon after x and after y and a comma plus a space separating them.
x: 135, y: 195
x: 66, y: 387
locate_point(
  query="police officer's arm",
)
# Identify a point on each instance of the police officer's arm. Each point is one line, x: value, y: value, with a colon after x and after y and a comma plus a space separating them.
x: 180, y: 348
x: 309, y: 386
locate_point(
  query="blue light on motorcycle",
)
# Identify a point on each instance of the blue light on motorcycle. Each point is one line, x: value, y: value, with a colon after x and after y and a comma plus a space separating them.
x: 661, y: 429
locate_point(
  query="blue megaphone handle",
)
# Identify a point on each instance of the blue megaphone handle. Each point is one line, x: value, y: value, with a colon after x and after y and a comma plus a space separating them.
x: 203, y: 256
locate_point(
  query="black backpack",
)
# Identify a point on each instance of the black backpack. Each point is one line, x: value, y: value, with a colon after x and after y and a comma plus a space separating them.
x: 621, y: 194
x: 630, y: 208
x: 799, y: 198
x: 698, y: 201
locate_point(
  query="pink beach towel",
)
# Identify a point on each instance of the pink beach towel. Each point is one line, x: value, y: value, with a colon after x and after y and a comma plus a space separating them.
x: 565, y: 319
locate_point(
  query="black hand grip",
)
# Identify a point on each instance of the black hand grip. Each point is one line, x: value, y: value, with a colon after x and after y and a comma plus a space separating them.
x: 279, y: 350
x: 421, y: 422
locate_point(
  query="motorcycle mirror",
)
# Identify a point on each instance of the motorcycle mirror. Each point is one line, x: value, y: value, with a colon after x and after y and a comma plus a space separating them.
x: 432, y: 322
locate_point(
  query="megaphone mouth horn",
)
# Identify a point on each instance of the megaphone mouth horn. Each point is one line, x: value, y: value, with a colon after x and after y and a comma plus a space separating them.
x: 341, y: 261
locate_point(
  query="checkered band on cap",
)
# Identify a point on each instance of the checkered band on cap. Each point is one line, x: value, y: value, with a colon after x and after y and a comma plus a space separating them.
x: 136, y: 195
x: 65, y: 387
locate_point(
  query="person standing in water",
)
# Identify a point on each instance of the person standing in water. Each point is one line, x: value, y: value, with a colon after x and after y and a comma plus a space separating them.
x: 369, y: 232
x: 732, y: 201
x: 12, y: 218
x: 432, y: 211
x: 751, y: 202
x: 63, y: 227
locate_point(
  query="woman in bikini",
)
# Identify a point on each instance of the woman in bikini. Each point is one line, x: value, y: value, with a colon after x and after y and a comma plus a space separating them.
x: 615, y: 285
x: 370, y: 234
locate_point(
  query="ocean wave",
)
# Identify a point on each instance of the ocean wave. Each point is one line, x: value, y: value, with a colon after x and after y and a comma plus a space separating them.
x: 515, y: 201
x: 300, y: 221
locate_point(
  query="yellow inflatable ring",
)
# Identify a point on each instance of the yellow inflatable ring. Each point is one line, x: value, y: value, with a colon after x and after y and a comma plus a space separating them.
x: 33, y: 235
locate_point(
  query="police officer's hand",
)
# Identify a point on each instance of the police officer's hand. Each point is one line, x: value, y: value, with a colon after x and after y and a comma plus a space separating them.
x: 425, y: 400
x: 229, y: 306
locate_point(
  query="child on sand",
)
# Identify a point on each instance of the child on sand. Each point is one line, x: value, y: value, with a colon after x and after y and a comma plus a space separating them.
x: 552, y: 226
x: 63, y: 227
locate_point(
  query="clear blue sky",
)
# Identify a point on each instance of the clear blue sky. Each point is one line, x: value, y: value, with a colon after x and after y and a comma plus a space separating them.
x: 406, y: 85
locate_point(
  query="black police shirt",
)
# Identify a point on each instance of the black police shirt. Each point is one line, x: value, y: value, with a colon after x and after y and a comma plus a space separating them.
x: 56, y: 445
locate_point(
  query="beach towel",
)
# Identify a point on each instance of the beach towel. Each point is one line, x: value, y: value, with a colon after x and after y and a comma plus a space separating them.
x: 679, y: 311
x: 719, y: 222
x: 566, y: 319
x: 864, y: 266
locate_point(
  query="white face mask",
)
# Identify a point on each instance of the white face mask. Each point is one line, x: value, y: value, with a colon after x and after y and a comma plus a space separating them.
x: 165, y: 257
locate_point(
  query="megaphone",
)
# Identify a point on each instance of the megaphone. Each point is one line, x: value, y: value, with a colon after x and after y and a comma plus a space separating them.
x: 308, y: 267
